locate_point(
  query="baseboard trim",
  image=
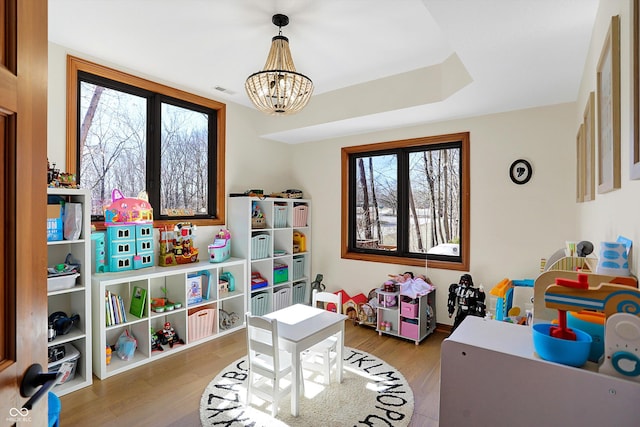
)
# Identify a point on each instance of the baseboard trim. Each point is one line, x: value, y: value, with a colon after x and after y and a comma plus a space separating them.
x: 441, y: 327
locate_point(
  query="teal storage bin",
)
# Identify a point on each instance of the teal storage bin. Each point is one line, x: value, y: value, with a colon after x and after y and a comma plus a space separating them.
x: 280, y: 273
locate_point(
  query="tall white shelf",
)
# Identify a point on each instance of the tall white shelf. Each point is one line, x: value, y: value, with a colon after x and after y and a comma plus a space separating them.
x: 283, y: 219
x: 77, y: 299
x: 186, y: 320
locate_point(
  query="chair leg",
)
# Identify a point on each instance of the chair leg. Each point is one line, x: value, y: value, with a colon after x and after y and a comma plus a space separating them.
x: 327, y: 366
x: 249, y: 382
x: 275, y: 397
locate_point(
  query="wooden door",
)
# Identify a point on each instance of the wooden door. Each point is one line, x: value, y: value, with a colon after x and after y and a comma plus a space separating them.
x: 23, y: 163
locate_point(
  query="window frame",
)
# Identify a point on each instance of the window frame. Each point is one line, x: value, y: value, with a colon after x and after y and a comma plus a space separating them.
x: 167, y: 94
x: 349, y: 251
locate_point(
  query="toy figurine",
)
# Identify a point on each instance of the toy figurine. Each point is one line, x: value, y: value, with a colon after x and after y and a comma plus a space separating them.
x: 470, y: 300
x: 317, y: 284
x: 228, y: 320
x: 169, y: 336
x: 155, y: 342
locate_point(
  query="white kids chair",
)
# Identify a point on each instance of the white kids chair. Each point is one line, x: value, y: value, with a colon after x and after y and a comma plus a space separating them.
x: 326, y: 349
x: 268, y: 366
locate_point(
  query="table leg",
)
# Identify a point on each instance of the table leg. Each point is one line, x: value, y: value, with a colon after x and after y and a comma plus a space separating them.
x: 340, y: 351
x: 295, y: 372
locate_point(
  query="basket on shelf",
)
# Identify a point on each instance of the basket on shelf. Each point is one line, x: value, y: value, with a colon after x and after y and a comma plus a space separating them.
x: 260, y: 246
x: 202, y: 324
x: 259, y: 304
x: 279, y: 216
x: 258, y: 222
x: 300, y: 213
x: 281, y: 298
x: 298, y: 267
x: 299, y: 292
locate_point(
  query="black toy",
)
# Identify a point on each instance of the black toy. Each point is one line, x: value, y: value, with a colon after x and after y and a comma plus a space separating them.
x: 470, y: 300
x: 155, y: 341
x: 169, y: 336
x: 317, y: 284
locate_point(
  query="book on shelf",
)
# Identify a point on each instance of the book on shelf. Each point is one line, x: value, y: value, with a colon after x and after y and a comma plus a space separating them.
x: 123, y: 312
x: 108, y: 315
x: 114, y: 309
x: 194, y: 288
x: 111, y: 320
x: 138, y: 301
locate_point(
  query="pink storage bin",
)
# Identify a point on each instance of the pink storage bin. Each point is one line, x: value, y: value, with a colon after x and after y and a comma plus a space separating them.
x: 300, y: 213
x: 408, y: 309
x: 409, y: 330
x: 202, y: 324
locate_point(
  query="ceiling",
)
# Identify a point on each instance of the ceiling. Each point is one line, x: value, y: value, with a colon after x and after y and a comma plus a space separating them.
x: 375, y: 64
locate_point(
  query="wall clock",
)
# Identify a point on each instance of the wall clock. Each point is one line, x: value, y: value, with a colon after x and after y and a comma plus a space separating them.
x: 520, y: 171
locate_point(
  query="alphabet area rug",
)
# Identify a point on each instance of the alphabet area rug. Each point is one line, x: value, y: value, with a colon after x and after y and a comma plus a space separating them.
x: 372, y: 393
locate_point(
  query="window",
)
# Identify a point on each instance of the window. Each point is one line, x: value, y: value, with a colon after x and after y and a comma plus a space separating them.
x: 131, y: 134
x: 407, y: 201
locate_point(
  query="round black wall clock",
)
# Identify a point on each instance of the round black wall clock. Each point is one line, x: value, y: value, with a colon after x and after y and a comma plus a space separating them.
x: 520, y: 171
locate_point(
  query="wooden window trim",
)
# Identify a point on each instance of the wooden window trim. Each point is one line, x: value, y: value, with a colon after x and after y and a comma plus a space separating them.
x: 465, y: 193
x: 75, y: 64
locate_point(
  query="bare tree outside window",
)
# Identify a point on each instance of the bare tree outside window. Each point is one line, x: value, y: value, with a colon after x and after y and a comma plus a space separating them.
x: 113, y: 143
x: 434, y: 200
x: 184, y: 161
x: 134, y: 139
x: 132, y: 134
x: 375, y: 195
x: 407, y: 201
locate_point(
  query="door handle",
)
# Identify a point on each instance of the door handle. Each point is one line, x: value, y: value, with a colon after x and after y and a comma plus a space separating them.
x: 34, y: 378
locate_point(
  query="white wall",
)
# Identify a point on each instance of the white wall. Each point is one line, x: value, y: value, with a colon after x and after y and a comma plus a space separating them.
x: 512, y: 226
x: 614, y: 213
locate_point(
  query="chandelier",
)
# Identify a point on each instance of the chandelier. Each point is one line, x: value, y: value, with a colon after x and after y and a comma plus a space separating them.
x: 278, y: 89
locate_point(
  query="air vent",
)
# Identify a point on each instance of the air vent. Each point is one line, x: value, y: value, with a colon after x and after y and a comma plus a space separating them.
x: 225, y: 90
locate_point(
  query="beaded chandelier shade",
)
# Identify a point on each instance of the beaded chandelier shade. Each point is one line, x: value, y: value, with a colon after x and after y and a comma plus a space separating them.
x: 279, y: 89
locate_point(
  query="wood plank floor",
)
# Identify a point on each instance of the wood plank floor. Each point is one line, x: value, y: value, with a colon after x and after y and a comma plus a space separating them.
x: 167, y: 392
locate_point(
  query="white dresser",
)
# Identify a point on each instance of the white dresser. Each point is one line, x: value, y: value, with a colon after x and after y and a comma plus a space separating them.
x: 491, y: 376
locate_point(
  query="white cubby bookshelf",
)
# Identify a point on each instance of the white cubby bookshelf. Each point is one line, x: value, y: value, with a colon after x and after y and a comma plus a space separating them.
x: 268, y: 245
x: 75, y: 299
x: 175, y: 280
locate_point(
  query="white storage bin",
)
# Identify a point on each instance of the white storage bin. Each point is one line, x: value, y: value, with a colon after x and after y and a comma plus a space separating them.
x: 281, y: 298
x: 71, y: 355
x: 58, y: 283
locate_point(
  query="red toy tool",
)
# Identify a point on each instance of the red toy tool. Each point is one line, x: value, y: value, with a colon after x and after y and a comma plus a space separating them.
x: 561, y: 331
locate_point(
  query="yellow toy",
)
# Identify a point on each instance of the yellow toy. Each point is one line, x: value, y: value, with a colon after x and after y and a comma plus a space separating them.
x: 176, y: 246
